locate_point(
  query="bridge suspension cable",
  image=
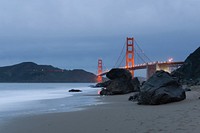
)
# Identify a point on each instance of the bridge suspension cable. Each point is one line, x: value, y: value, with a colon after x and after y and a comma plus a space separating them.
x: 122, y: 61
x: 104, y: 67
x: 141, y: 51
x: 141, y: 57
x: 121, y: 53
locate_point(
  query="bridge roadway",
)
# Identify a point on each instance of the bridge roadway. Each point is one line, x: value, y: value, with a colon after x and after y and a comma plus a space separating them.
x: 151, y: 67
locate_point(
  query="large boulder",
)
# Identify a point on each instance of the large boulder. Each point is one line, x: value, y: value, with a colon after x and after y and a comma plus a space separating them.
x: 161, y: 88
x: 117, y: 73
x: 119, y: 86
x: 189, y: 72
x: 103, y: 84
x: 120, y: 82
x: 135, y: 84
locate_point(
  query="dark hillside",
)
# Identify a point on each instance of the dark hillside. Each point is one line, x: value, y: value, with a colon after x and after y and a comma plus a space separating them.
x: 32, y: 72
x: 189, y: 72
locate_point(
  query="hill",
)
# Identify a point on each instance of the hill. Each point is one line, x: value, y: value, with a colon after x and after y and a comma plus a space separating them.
x: 189, y: 72
x: 34, y: 73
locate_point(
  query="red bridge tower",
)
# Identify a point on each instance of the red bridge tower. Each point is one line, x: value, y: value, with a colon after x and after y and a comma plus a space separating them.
x: 130, y: 54
x: 100, y: 70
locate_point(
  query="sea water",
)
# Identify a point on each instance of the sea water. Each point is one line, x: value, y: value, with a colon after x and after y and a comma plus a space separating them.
x: 19, y: 99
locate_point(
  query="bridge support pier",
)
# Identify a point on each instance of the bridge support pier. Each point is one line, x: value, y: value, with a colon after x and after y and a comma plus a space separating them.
x: 164, y: 68
x: 151, y: 69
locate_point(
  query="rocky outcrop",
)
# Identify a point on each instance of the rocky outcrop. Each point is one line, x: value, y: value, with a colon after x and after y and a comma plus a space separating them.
x: 120, y: 82
x: 189, y: 72
x: 161, y: 88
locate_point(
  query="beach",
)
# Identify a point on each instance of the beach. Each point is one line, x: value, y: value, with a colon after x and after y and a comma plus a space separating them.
x: 117, y: 115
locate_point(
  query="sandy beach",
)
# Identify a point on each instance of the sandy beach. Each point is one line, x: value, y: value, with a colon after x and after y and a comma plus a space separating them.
x: 117, y: 116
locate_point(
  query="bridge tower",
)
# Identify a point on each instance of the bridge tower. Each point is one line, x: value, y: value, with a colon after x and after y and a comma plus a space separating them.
x: 100, y: 70
x: 130, y: 54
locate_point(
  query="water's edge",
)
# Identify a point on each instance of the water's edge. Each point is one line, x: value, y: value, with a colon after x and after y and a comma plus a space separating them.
x: 28, y: 99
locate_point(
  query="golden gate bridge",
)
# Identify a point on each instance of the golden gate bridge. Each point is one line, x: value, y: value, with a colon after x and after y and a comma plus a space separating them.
x: 133, y: 52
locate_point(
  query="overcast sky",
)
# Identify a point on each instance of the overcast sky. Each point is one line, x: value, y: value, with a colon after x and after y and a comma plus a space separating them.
x: 74, y: 33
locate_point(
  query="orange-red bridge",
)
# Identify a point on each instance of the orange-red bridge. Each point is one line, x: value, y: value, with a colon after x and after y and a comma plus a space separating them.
x: 151, y: 67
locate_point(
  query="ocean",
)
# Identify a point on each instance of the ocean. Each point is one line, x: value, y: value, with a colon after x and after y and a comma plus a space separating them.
x: 20, y: 99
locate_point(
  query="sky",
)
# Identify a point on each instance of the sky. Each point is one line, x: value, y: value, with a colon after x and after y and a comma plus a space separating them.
x: 74, y: 34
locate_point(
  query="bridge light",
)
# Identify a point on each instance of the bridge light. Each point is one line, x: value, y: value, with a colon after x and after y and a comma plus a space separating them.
x: 170, y: 59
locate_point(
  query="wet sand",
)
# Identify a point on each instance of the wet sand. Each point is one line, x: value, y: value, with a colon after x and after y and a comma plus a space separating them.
x: 117, y: 116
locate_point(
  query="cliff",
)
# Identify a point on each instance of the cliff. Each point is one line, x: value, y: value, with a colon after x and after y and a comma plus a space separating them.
x: 189, y: 72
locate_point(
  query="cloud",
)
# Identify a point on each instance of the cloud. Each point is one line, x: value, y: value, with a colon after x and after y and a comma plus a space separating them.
x: 89, y: 17
x: 79, y: 32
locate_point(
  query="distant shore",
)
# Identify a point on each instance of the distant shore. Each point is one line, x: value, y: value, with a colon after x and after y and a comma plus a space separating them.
x: 117, y: 116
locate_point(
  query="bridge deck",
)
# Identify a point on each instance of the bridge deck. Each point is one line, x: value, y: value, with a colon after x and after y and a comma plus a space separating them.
x: 144, y: 66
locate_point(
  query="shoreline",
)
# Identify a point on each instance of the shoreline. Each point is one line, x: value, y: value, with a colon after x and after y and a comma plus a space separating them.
x: 117, y: 115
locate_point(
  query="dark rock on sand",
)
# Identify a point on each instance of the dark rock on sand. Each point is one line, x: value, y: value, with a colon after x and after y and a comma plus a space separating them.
x: 135, y: 84
x: 161, y: 88
x: 189, y: 72
x: 105, y: 92
x: 187, y: 89
x: 120, y: 82
x: 119, y: 86
x: 134, y: 97
x: 75, y: 90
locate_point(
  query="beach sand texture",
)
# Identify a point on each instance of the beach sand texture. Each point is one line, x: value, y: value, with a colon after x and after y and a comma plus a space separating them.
x: 117, y: 116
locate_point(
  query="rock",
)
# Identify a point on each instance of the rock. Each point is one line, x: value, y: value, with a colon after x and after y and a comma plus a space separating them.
x: 120, y: 82
x: 135, y: 84
x: 119, y: 86
x: 75, y: 90
x: 118, y: 73
x: 131, y: 98
x: 92, y: 86
x: 105, y: 92
x: 116, y: 87
x: 104, y: 84
x: 189, y: 72
x: 198, y: 81
x: 187, y: 89
x: 134, y: 97
x: 161, y: 88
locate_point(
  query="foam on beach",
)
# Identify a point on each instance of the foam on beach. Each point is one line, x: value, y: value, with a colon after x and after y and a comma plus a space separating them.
x: 23, y: 99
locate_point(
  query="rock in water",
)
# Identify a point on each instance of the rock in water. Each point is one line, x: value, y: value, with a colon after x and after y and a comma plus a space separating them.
x: 75, y: 90
x: 189, y: 72
x: 161, y: 88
